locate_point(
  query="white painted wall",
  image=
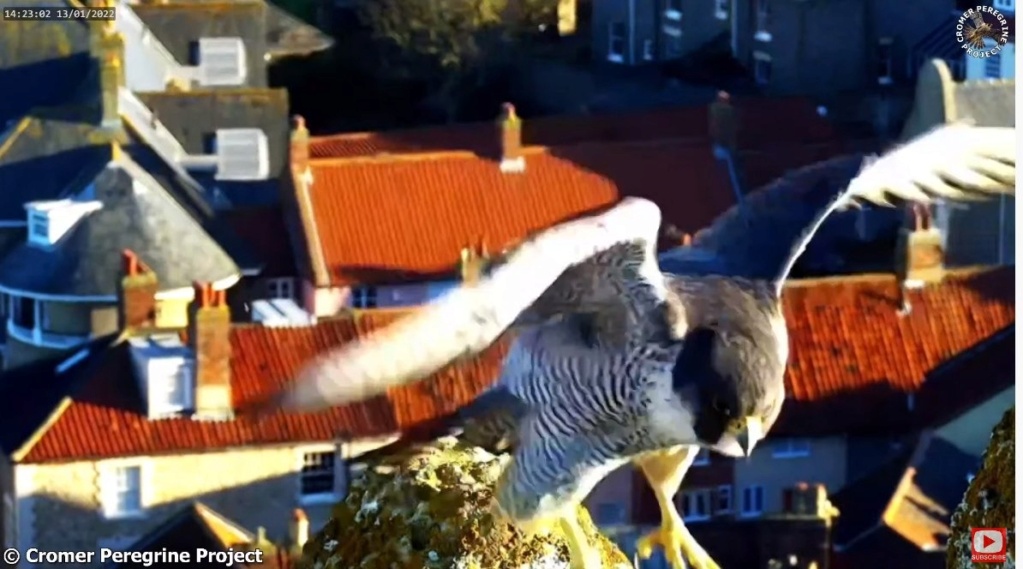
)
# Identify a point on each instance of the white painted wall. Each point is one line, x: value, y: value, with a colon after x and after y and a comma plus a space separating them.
x: 977, y: 68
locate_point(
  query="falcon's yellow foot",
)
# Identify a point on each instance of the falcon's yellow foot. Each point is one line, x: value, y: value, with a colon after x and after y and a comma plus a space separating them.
x: 581, y: 554
x: 531, y: 528
x: 678, y: 543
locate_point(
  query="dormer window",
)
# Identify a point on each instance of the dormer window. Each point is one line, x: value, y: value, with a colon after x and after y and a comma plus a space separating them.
x: 49, y: 221
x: 164, y: 370
x: 222, y: 62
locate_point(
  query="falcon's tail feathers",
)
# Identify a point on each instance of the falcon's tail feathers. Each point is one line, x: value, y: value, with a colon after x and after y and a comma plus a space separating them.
x: 468, y: 319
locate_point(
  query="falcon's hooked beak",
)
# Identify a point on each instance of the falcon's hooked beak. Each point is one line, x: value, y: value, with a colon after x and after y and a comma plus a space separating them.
x: 751, y: 430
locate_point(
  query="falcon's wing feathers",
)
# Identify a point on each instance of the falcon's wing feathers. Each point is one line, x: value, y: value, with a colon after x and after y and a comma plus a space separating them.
x: 763, y: 237
x: 542, y: 274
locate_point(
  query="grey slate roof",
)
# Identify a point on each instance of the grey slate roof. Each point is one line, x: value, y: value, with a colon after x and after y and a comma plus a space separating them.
x: 41, y: 63
x: 43, y: 154
x: 179, y: 25
x: 989, y: 103
x: 87, y: 261
x: 194, y: 117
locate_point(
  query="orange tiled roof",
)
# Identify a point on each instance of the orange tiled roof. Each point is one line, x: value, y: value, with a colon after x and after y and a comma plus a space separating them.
x: 104, y: 419
x: 764, y: 122
x: 853, y: 359
x: 397, y: 218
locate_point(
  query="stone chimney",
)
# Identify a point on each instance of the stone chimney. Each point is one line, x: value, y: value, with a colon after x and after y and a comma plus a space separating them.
x: 919, y: 251
x: 300, y: 169
x: 509, y: 126
x: 722, y: 122
x: 137, y: 294
x: 298, y: 529
x: 107, y: 47
x: 209, y: 337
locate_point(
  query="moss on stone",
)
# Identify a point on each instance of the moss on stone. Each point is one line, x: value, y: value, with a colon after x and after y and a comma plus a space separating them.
x: 428, y: 508
x: 990, y: 500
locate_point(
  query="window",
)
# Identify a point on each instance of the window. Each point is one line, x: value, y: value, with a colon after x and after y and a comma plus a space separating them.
x: 280, y: 288
x: 172, y: 381
x: 23, y: 312
x: 724, y: 501
x: 721, y: 9
x: 648, y: 50
x: 318, y: 478
x: 673, y: 9
x: 616, y: 42
x: 791, y: 448
x: 364, y: 297
x: 1006, y: 5
x: 763, y: 14
x: 702, y: 458
x: 993, y: 66
x: 122, y: 485
x: 761, y: 68
x: 696, y: 505
x: 10, y: 522
x: 672, y: 41
x: 610, y: 514
x: 884, y: 61
x: 752, y: 501
x: 38, y: 228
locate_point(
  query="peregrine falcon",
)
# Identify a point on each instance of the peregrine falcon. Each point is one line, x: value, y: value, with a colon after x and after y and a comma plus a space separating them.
x: 613, y: 361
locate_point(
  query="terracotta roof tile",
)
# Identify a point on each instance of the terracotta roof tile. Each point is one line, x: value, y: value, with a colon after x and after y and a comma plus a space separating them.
x: 853, y: 360
x: 764, y: 122
x: 851, y: 350
x: 105, y: 418
x: 373, y: 215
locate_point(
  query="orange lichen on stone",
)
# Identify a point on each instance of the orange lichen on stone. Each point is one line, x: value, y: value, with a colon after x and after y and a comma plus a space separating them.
x: 990, y: 501
x: 429, y: 508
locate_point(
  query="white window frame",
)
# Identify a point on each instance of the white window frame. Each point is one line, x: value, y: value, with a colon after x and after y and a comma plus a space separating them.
x: 791, y: 447
x: 885, y: 59
x: 612, y: 56
x: 39, y: 228
x: 702, y: 457
x: 760, y: 57
x: 722, y: 9
x: 361, y: 296
x: 688, y: 508
x: 109, y: 472
x: 281, y: 288
x: 723, y: 495
x: 648, y: 50
x: 673, y: 10
x: 320, y: 497
x: 750, y: 495
x: 179, y: 382
x: 10, y: 521
x: 762, y: 16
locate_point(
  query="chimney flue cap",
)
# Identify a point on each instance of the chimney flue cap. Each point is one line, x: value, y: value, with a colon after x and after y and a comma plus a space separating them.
x: 724, y: 97
x: 508, y: 112
x: 298, y: 515
x: 299, y: 121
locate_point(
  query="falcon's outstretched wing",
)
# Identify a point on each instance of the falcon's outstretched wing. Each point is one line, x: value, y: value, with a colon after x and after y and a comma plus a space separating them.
x: 762, y: 237
x: 585, y: 265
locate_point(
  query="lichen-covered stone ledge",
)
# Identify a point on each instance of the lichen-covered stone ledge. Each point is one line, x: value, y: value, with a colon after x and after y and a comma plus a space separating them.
x: 428, y: 508
x: 990, y: 500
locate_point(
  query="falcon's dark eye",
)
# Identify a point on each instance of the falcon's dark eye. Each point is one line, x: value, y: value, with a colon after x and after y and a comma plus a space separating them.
x: 719, y: 406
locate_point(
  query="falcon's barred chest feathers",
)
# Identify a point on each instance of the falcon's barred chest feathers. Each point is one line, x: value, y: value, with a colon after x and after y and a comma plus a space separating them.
x: 614, y: 360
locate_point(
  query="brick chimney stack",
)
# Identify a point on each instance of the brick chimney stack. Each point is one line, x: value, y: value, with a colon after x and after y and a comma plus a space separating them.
x: 209, y: 336
x: 298, y: 529
x: 107, y: 47
x: 137, y: 294
x: 509, y: 126
x: 300, y: 152
x: 722, y: 127
x: 920, y: 253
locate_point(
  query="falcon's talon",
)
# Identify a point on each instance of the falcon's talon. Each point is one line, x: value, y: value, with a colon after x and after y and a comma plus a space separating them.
x: 678, y: 543
x: 581, y: 554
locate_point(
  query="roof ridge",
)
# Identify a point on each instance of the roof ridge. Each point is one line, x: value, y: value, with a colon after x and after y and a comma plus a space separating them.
x: 955, y: 273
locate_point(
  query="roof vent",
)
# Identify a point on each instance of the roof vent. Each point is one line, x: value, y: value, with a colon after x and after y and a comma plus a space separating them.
x: 49, y: 221
x: 222, y: 62
x: 242, y: 154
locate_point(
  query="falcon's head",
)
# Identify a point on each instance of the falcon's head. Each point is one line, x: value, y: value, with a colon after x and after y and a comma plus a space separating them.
x: 733, y: 385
